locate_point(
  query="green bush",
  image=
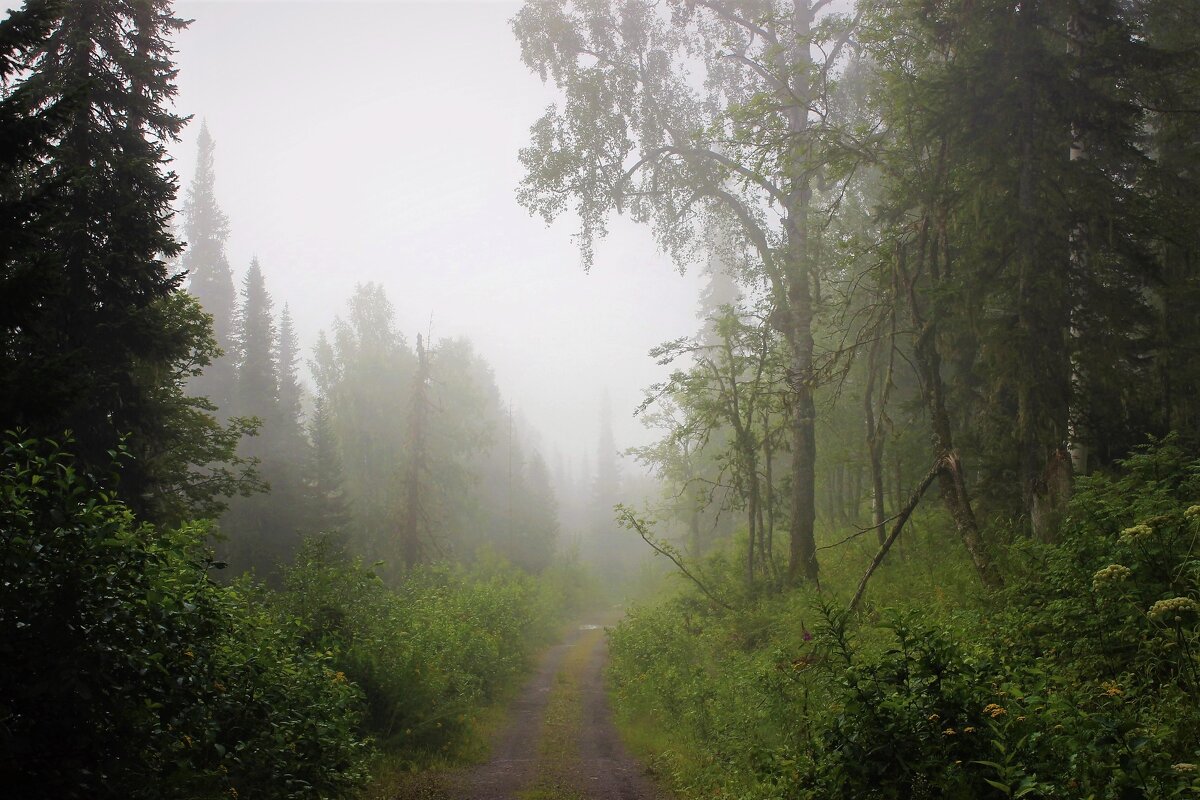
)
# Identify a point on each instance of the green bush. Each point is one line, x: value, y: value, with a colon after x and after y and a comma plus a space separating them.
x: 430, y: 653
x: 126, y: 672
x: 1078, y: 682
x: 729, y: 689
x: 273, y: 718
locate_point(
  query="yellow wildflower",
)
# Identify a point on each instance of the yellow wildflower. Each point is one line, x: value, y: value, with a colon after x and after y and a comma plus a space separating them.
x: 1113, y: 573
x: 1174, y: 608
x: 994, y: 710
x: 1136, y: 532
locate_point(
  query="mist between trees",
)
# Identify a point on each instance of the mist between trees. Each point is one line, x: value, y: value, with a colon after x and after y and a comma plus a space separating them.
x: 406, y: 447
x: 928, y: 468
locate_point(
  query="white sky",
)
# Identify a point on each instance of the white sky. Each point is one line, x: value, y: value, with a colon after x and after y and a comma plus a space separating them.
x: 377, y: 141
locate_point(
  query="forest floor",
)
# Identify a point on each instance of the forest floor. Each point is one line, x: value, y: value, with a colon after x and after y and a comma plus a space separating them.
x: 558, y: 742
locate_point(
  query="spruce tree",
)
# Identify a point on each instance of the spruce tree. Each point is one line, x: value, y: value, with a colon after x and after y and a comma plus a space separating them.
x: 286, y: 447
x: 537, y: 520
x: 364, y: 372
x: 326, y: 505
x: 290, y: 393
x: 255, y: 336
x: 210, y: 280
x: 1172, y: 28
x: 93, y: 336
x: 251, y: 525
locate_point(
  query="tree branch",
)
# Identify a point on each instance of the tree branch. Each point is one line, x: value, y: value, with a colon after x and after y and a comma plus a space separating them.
x: 759, y: 70
x: 754, y: 233
x: 725, y: 14
x: 901, y: 518
x: 627, y: 519
x: 770, y: 188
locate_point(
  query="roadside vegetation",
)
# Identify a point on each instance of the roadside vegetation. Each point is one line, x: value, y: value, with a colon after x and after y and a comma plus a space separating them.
x: 127, y: 670
x: 1079, y: 680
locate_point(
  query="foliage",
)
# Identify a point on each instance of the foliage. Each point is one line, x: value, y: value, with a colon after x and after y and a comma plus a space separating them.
x: 95, y: 334
x: 432, y: 652
x: 470, y: 488
x: 1079, y: 682
x: 210, y: 279
x: 125, y: 671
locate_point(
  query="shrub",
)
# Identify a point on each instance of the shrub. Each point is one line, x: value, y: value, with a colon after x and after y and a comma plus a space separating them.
x: 429, y: 653
x: 125, y: 671
x: 1079, y: 682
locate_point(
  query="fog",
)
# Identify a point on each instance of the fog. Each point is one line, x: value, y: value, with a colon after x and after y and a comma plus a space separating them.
x: 925, y: 495
x: 378, y: 141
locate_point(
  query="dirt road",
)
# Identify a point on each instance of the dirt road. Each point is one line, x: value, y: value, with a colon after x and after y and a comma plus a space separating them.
x: 559, y: 742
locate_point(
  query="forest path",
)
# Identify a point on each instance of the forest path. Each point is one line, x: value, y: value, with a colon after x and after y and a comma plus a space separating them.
x: 559, y: 741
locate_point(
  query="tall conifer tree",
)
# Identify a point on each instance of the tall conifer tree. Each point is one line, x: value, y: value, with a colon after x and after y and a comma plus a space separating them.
x: 327, y: 507
x: 287, y: 447
x: 256, y: 336
x: 210, y: 280
x: 95, y: 335
x: 251, y: 524
x: 290, y: 394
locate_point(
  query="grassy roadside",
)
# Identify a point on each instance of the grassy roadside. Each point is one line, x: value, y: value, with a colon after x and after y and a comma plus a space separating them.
x: 398, y: 777
x: 648, y: 740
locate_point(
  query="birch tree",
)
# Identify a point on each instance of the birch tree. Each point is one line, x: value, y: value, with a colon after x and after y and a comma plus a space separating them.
x: 688, y: 113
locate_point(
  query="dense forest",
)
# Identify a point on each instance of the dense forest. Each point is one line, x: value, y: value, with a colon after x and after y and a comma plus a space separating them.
x: 916, y: 515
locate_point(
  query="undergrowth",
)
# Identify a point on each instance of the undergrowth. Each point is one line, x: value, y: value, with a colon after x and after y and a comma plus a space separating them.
x: 127, y: 671
x: 1078, y: 681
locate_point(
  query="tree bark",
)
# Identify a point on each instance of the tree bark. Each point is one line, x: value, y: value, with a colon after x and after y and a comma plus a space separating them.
x: 802, y: 562
x: 1043, y: 313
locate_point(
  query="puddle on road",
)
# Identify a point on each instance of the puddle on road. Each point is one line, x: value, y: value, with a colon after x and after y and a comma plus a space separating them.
x: 589, y: 627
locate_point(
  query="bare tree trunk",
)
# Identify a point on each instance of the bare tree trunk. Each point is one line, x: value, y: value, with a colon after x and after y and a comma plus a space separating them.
x: 410, y: 541
x: 802, y: 561
x: 769, y: 499
x: 764, y: 557
x: 897, y: 481
x: 752, y: 521
x: 1076, y: 437
x: 1043, y: 313
x: 854, y: 493
x: 874, y: 441
x: 833, y: 495
x: 694, y: 525
x: 898, y: 493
